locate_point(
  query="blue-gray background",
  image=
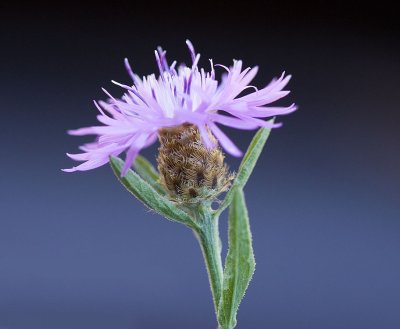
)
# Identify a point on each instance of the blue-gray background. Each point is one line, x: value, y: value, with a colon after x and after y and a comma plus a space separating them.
x: 76, y: 251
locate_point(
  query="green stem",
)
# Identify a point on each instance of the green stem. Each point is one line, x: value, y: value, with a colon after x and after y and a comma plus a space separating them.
x: 207, y: 234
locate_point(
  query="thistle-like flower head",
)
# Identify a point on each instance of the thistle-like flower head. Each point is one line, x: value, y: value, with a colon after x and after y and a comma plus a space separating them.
x: 178, y: 96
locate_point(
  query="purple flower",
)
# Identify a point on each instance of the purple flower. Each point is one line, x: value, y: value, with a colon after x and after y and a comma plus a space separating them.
x: 177, y: 96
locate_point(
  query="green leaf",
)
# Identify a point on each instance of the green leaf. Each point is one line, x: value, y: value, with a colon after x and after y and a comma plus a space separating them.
x: 148, y: 195
x: 146, y: 170
x: 247, y: 165
x: 239, y: 263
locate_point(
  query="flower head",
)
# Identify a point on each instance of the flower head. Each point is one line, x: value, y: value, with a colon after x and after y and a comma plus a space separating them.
x: 177, y: 96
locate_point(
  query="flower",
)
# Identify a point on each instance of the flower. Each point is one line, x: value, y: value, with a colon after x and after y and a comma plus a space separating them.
x: 178, y: 96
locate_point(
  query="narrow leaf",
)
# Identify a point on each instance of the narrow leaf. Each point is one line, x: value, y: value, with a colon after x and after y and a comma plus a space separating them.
x: 247, y: 165
x: 239, y: 263
x: 145, y: 193
x: 146, y: 170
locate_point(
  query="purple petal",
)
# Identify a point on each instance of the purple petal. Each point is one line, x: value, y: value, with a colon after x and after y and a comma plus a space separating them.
x: 191, y: 50
x: 129, y: 69
x: 225, y: 142
x: 234, y: 122
x: 130, y: 157
x: 88, y: 165
x: 82, y: 131
x: 263, y: 112
x: 79, y: 156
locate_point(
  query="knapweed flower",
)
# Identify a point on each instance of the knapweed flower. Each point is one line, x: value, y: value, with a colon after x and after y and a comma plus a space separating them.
x: 178, y: 96
x: 183, y: 107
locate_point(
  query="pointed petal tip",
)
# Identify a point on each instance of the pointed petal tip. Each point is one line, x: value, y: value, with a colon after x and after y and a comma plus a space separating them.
x: 285, y: 76
x: 78, y: 157
x: 291, y: 108
x: 124, y: 170
x: 237, y: 153
x: 68, y: 170
x: 80, y: 131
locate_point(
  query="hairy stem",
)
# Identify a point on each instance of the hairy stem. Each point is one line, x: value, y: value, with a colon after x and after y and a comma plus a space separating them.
x: 207, y: 233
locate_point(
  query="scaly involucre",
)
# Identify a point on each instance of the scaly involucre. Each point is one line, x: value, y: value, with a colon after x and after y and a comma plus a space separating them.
x: 178, y: 96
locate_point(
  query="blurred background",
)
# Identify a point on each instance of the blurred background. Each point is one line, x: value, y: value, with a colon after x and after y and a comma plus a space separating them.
x: 77, y: 251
